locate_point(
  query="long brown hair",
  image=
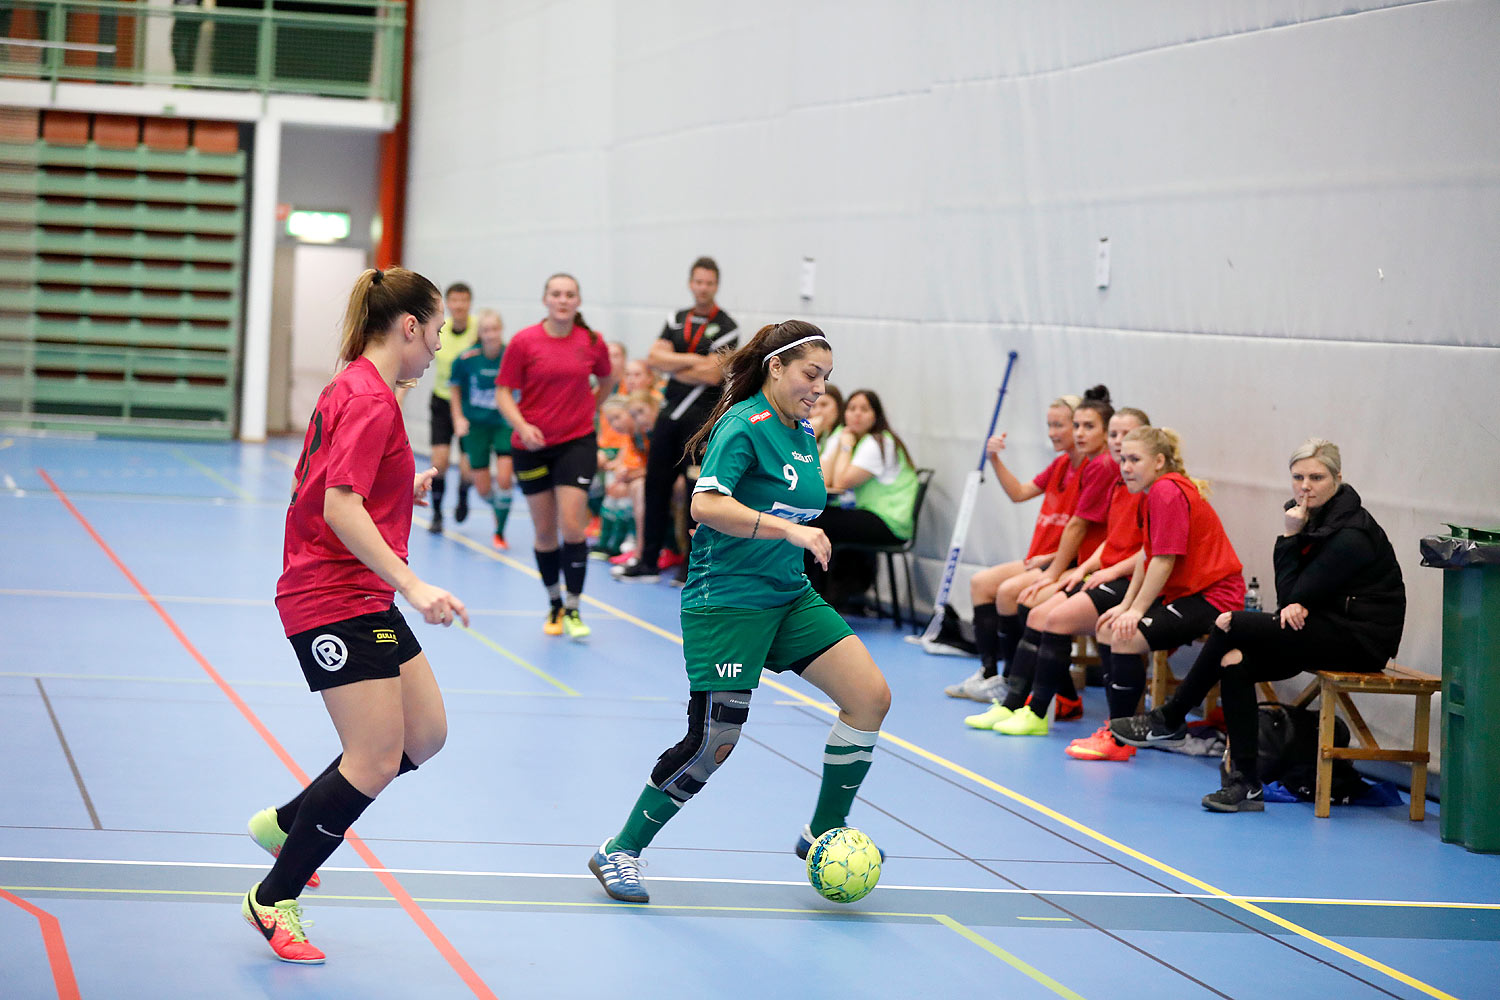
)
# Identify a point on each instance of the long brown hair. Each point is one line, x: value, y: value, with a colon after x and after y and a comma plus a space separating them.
x: 881, y: 427
x: 745, y: 369
x: 378, y: 299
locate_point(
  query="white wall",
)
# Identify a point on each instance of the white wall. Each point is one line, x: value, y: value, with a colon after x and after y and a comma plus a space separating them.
x: 1302, y: 199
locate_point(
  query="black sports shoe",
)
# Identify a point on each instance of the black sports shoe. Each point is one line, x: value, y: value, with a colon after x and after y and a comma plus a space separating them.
x: 435, y: 526
x: 1238, y: 795
x: 461, y: 508
x: 1149, y: 730
x: 638, y: 572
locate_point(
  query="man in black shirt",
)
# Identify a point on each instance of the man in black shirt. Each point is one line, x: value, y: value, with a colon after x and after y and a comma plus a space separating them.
x: 686, y: 351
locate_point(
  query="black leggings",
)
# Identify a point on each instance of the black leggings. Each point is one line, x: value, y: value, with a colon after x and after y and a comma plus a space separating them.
x: 849, y: 572
x: 1271, y: 653
x: 664, y: 463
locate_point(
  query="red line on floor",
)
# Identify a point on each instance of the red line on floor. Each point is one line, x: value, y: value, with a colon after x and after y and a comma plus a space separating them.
x: 57, y: 949
x: 420, y: 918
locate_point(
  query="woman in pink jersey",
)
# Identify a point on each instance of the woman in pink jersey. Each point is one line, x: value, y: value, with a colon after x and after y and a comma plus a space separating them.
x: 554, y: 447
x: 343, y: 562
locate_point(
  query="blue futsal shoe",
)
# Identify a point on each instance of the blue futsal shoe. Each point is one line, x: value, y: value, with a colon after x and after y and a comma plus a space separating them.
x: 620, y: 874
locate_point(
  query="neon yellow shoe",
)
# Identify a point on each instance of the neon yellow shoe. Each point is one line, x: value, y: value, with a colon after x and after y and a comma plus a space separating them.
x: 1023, y: 722
x: 266, y: 832
x: 989, y: 718
x: 573, y: 625
x: 554, y: 623
x: 283, y: 928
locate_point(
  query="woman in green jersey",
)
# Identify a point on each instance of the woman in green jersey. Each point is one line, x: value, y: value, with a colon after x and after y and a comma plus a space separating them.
x: 748, y: 606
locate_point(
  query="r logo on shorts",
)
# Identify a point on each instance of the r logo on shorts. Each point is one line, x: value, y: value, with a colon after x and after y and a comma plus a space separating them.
x: 329, y: 651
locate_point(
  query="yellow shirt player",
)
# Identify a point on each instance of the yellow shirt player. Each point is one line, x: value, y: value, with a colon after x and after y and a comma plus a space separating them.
x: 458, y: 333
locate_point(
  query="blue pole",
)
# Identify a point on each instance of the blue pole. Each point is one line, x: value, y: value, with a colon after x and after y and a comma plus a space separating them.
x: 995, y: 417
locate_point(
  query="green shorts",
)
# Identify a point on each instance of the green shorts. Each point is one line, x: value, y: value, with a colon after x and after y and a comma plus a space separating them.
x: 727, y: 648
x: 484, y: 440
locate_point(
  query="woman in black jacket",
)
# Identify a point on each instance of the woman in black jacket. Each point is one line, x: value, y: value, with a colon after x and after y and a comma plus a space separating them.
x: 1342, y: 606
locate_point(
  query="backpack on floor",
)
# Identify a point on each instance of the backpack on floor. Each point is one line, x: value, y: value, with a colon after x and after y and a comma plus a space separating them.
x: 1288, y: 753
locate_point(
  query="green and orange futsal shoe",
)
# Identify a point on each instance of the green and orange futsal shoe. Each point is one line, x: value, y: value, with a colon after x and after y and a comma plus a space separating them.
x: 283, y: 928
x: 266, y: 832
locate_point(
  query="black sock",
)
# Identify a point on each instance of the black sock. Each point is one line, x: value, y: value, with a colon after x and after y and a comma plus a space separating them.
x: 1241, y: 719
x: 1065, y: 687
x: 575, y: 565
x: 287, y: 815
x: 1021, y: 670
x: 329, y: 808
x: 1011, y: 628
x: 987, y: 637
x: 1054, y: 657
x: 1125, y: 681
x: 549, y: 564
x: 439, y: 487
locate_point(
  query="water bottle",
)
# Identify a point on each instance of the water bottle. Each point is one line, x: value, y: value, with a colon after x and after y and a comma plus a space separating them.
x: 1252, y: 595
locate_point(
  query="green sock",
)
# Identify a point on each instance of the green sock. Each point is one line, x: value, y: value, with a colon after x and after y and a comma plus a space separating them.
x: 500, y: 503
x: 846, y: 761
x: 647, y: 817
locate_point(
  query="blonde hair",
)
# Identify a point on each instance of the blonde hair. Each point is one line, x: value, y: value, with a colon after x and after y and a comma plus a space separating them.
x: 1131, y: 411
x: 645, y: 396
x: 1324, y: 451
x: 1067, y: 400
x: 612, y: 403
x: 488, y: 315
x: 1167, y: 443
x: 378, y: 299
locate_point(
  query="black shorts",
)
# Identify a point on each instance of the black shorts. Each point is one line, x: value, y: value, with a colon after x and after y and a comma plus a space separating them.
x: 442, y: 422
x: 362, y: 648
x: 1108, y: 595
x: 572, y: 463
x: 1167, y: 626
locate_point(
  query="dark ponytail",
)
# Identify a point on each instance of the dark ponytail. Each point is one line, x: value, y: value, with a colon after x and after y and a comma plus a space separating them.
x: 745, y: 369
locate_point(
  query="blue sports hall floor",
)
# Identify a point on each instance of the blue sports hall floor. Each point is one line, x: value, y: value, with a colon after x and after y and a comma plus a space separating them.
x: 149, y: 704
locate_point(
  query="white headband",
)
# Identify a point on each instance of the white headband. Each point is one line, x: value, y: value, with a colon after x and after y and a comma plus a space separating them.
x: 795, y: 343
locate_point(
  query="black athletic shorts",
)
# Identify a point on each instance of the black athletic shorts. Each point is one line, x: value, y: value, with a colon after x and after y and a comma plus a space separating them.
x: 1167, y: 626
x: 572, y: 463
x: 442, y: 422
x: 361, y: 648
x: 1107, y: 595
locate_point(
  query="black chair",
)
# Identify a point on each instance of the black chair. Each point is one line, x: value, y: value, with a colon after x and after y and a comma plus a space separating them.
x: 891, y: 551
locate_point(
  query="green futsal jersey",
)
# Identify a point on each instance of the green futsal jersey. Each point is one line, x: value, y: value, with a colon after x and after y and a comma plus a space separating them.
x: 474, y: 376
x: 769, y: 467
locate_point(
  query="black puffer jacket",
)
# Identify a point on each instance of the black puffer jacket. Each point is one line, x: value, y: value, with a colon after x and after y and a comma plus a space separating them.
x: 1342, y: 566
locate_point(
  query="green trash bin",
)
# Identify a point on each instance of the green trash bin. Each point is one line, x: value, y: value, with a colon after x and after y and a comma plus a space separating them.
x: 1471, y: 684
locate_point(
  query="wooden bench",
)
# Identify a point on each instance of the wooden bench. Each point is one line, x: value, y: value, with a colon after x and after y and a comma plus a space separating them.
x: 1333, y: 688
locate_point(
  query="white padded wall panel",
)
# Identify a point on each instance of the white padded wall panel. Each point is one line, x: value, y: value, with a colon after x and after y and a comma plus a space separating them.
x: 1301, y: 199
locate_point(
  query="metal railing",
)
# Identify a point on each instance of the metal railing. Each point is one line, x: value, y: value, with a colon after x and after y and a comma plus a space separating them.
x: 329, y: 48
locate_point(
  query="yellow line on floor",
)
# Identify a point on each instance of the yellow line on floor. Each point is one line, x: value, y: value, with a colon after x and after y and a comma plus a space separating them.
x: 1052, y: 814
x: 286, y: 460
x: 492, y: 644
x: 940, y: 918
x: 179, y: 454
x: 1006, y: 957
x: 7, y: 443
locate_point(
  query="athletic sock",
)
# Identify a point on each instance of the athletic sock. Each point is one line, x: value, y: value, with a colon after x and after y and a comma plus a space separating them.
x: 846, y: 761
x: 287, y: 815
x: 649, y: 814
x: 329, y: 808
x: 1125, y: 681
x: 1021, y: 670
x: 549, y: 564
x: 575, y: 566
x: 1053, y: 659
x: 987, y: 637
x: 1011, y: 628
x: 500, y: 504
x: 439, y: 487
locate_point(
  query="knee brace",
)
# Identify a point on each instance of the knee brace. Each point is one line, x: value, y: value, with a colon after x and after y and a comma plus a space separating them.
x: 714, y: 721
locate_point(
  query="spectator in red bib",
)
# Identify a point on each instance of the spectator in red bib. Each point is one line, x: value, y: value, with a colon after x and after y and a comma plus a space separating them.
x: 343, y: 562
x: 553, y: 446
x: 1342, y: 607
x: 997, y: 618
